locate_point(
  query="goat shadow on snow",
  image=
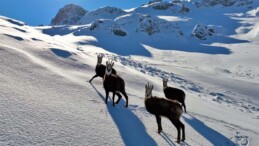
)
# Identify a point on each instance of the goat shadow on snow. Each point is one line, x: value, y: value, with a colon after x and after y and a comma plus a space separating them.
x: 213, y: 136
x: 170, y: 141
x: 131, y: 129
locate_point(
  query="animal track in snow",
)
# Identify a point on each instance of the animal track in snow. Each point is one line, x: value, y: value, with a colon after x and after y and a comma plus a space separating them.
x: 153, y: 71
x: 186, y: 84
x: 240, y: 140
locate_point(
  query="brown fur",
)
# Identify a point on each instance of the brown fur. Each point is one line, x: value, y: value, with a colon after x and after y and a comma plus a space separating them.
x: 161, y: 107
x: 115, y: 84
x: 174, y: 94
x: 100, y: 69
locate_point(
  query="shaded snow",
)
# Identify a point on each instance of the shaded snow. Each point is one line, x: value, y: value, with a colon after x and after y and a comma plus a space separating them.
x: 46, y: 99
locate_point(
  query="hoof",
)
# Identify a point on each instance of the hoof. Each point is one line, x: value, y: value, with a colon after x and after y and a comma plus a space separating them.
x: 183, y: 140
x: 159, y: 131
x: 178, y: 141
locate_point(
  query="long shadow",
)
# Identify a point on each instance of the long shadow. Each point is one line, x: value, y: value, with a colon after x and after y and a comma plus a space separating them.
x: 170, y: 141
x: 58, y: 30
x: 131, y: 128
x: 167, y: 139
x: 134, y: 44
x: 191, y: 45
x: 213, y: 136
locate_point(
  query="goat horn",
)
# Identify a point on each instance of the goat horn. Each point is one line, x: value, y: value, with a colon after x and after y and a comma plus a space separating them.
x: 149, y: 85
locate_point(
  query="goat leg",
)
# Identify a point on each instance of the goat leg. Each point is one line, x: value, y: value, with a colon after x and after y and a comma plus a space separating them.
x: 158, y: 120
x: 107, y: 94
x: 119, y: 97
x: 93, y: 78
x: 113, y: 96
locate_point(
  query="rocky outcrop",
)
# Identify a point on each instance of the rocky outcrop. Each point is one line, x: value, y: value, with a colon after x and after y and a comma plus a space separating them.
x: 226, y: 3
x: 69, y: 15
x: 202, y: 32
x: 148, y: 25
x: 102, y: 13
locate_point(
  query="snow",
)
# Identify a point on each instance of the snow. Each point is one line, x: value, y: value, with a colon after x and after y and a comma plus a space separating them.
x: 102, y: 13
x: 172, y: 18
x: 46, y: 98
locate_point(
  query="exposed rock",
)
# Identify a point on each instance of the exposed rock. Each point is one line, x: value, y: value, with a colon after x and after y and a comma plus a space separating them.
x: 148, y: 25
x: 69, y: 15
x: 102, y: 24
x: 158, y: 4
x: 154, y: 1
x: 161, y: 5
x: 119, y: 32
x: 226, y: 3
x: 184, y: 9
x: 102, y: 13
x: 202, y: 32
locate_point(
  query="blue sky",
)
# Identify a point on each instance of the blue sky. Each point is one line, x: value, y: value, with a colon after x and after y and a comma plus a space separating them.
x: 35, y: 12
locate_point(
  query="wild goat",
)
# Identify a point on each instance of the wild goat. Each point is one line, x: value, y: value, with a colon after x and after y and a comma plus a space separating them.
x: 100, y: 68
x: 166, y: 108
x: 114, y: 83
x: 174, y: 94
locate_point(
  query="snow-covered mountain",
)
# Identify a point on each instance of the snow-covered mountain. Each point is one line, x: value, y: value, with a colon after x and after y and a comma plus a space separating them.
x: 210, y: 52
x: 69, y: 15
x: 101, y: 13
x: 226, y: 3
x: 182, y: 17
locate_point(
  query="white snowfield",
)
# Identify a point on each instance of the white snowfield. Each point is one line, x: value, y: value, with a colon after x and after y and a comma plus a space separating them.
x: 46, y: 99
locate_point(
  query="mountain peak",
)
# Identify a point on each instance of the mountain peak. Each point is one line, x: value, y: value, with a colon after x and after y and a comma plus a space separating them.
x: 68, y: 15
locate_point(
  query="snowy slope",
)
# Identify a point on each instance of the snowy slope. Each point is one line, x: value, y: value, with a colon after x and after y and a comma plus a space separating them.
x: 101, y: 13
x: 46, y: 100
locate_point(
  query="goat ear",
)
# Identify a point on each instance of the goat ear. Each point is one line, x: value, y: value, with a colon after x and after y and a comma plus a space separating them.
x: 106, y: 62
x: 112, y: 63
x: 146, y: 86
x: 152, y: 87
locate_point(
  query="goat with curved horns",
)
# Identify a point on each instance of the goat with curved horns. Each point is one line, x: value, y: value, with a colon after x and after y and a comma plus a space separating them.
x: 166, y: 108
x: 174, y: 93
x: 114, y: 83
x: 100, y: 68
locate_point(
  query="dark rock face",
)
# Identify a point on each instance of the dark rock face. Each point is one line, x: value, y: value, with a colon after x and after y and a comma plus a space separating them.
x: 202, y: 32
x: 68, y: 15
x: 119, y: 32
x: 226, y: 3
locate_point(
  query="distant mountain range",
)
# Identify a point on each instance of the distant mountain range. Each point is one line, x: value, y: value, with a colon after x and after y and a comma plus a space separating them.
x: 178, y: 18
